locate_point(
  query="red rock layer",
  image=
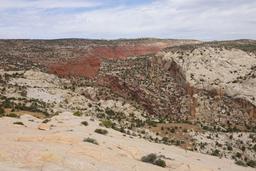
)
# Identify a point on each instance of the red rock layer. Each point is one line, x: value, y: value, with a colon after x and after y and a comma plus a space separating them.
x: 89, y: 63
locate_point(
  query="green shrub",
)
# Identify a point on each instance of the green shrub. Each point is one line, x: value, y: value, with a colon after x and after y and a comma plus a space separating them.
x: 165, y: 139
x: 160, y: 162
x: 107, y: 123
x: 13, y: 115
x: 172, y: 130
x: 101, y: 131
x: 178, y: 143
x: 110, y: 112
x: 254, y: 147
x: 238, y: 155
x: 23, y: 93
x: 7, y: 103
x: 18, y: 123
x: 230, y: 148
x: 151, y: 123
x: 153, y: 159
x: 46, y: 120
x: 2, y: 111
x: 91, y: 140
x: 85, y: 123
x: 216, y: 152
x: 240, y: 163
x: 77, y: 113
x: 150, y: 158
x: 251, y: 163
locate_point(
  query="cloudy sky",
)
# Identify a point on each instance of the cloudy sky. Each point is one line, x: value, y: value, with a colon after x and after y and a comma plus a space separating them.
x: 111, y: 19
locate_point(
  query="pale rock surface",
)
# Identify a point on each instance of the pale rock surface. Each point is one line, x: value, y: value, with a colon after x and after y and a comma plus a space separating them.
x: 62, y: 148
x: 215, y: 68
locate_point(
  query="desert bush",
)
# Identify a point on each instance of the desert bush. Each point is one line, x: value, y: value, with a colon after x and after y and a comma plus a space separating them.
x: 13, y: 115
x: 91, y: 140
x: 107, y: 123
x: 151, y: 123
x: 77, y: 113
x: 216, y: 152
x: 178, y: 143
x: 101, y: 131
x: 18, y: 123
x: 153, y: 159
x: 46, y: 120
x: 238, y: 155
x: 109, y: 112
x: 160, y: 162
x: 230, y: 148
x: 172, y: 130
x: 85, y: 123
x: 7, y: 103
x: 23, y: 93
x: 150, y: 158
x: 2, y: 111
x: 165, y: 139
x: 251, y: 163
x: 240, y: 162
x: 254, y: 147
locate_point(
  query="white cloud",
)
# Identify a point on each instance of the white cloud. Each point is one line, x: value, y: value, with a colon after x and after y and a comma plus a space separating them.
x: 46, y: 4
x: 199, y: 19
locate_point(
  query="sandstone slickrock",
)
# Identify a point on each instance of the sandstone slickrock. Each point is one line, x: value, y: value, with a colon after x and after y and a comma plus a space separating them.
x: 27, y: 148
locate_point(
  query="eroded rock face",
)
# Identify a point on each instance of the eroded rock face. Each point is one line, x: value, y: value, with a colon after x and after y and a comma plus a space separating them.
x: 145, y: 81
x: 216, y: 68
x: 220, y: 83
x: 215, y: 85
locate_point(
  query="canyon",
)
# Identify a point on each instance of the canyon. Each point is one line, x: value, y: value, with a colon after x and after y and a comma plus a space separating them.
x: 152, y: 93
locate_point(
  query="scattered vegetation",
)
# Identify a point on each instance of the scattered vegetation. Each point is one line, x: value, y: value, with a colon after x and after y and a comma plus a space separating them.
x: 77, y: 113
x: 85, y: 123
x: 153, y: 159
x: 2, y: 112
x: 160, y: 162
x: 12, y: 115
x: 46, y: 120
x: 18, y: 123
x: 101, y: 131
x: 109, y: 112
x: 216, y: 152
x: 251, y: 163
x: 91, y: 140
x: 107, y: 123
x: 240, y: 163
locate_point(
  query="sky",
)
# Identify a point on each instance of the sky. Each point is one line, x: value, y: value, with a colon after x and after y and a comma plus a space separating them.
x: 114, y: 19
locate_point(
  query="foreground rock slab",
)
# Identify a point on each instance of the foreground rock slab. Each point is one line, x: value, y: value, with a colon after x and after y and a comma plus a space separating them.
x: 61, y: 147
